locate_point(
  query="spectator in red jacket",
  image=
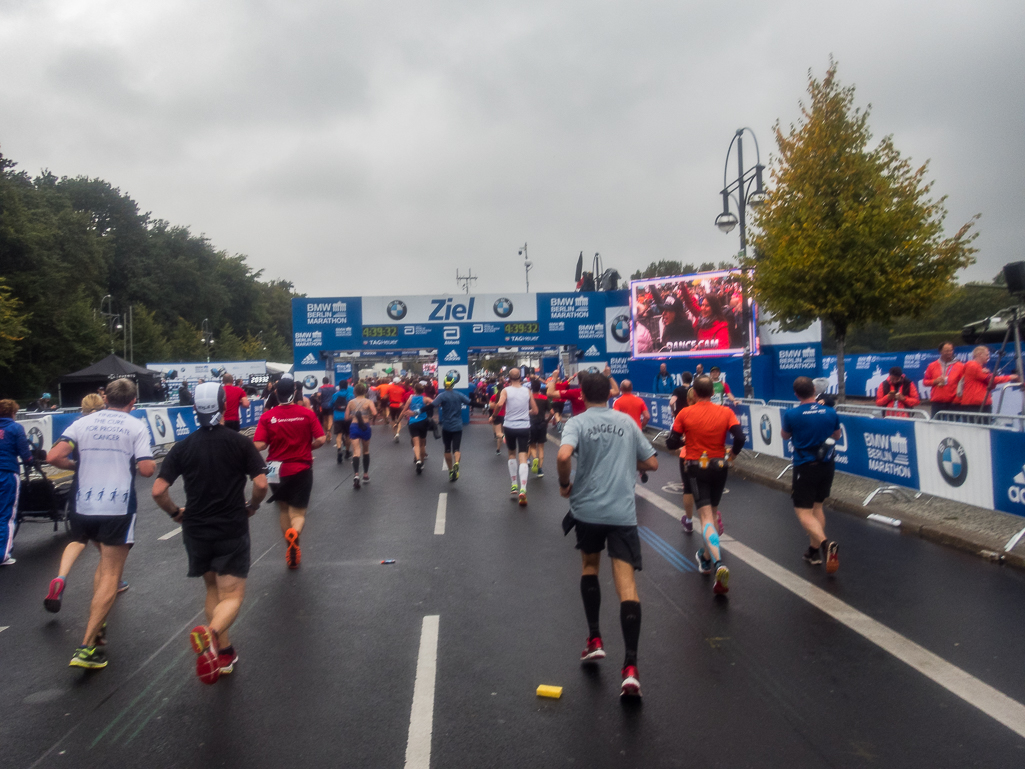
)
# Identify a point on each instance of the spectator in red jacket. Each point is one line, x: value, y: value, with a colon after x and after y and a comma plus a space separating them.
x: 897, y: 393
x: 942, y: 377
x: 977, y: 394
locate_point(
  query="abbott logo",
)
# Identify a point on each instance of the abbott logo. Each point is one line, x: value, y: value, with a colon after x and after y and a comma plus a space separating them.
x: 450, y: 333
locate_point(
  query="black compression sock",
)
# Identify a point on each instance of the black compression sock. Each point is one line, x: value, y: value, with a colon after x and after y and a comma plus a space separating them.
x: 590, y: 590
x: 355, y: 465
x: 630, y: 619
x: 366, y: 462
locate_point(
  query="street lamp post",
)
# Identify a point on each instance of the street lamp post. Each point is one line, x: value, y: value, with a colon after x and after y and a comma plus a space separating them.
x: 208, y: 337
x: 527, y: 264
x: 726, y: 221
x: 112, y: 319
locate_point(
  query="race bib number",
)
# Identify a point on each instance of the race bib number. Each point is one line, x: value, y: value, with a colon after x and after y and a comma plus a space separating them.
x: 273, y: 472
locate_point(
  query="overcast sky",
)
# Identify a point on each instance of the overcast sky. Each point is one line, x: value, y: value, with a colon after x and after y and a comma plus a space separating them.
x: 360, y: 147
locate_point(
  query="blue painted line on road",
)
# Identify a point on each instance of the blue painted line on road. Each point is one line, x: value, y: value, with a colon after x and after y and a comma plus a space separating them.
x: 667, y: 551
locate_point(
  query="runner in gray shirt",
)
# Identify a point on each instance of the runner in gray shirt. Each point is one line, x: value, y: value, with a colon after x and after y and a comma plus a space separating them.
x: 610, y: 448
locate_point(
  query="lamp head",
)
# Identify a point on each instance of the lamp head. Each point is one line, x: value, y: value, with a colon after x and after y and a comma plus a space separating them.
x: 726, y: 221
x: 756, y: 199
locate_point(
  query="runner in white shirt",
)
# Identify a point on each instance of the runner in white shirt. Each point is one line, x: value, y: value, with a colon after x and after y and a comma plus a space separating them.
x: 105, y: 449
x: 519, y: 405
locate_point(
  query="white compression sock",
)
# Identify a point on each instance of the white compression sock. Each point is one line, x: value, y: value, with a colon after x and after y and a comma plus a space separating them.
x: 512, y: 470
x: 523, y: 479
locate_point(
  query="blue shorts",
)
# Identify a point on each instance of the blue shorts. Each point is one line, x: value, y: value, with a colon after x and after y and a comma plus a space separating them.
x: 359, y: 433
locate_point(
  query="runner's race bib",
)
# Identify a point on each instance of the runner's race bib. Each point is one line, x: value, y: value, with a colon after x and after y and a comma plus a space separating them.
x: 273, y: 472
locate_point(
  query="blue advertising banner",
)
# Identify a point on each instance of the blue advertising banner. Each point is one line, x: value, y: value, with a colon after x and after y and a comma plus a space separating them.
x: 883, y: 449
x: 343, y: 370
x: 1008, y: 463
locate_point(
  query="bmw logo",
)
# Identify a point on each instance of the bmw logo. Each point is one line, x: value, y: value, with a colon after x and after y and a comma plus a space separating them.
x: 503, y: 307
x: 217, y: 371
x: 396, y: 309
x: 161, y: 427
x: 310, y: 382
x: 35, y: 438
x: 593, y: 370
x: 453, y: 375
x: 620, y: 329
x: 953, y: 464
x: 765, y: 428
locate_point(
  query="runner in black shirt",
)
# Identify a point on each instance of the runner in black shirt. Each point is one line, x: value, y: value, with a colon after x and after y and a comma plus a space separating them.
x: 678, y: 400
x: 215, y: 521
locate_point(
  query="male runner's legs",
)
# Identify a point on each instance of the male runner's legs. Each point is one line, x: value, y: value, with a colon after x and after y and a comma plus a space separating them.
x: 518, y: 442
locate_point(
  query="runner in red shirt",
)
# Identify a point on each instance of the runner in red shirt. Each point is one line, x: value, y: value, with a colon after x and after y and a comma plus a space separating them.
x: 234, y: 397
x: 574, y: 395
x: 291, y: 431
x: 631, y: 405
x: 497, y: 418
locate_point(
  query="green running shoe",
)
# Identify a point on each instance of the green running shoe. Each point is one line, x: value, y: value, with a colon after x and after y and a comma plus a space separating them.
x: 89, y: 657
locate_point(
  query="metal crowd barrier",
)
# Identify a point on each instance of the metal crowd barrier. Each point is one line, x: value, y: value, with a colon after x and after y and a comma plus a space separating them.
x: 880, y: 411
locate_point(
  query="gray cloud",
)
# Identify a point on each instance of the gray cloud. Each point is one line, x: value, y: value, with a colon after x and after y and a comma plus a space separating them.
x: 425, y: 137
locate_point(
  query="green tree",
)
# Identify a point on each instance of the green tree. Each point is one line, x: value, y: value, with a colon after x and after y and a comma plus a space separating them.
x: 666, y: 268
x: 849, y: 234
x: 228, y: 345
x: 149, y: 345
x: 12, y: 325
x: 185, y: 344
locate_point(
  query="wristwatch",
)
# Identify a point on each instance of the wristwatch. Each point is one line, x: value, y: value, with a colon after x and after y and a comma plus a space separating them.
x: 565, y: 485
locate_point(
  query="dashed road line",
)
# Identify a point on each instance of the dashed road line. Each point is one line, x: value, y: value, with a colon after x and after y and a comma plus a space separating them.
x: 171, y: 533
x: 439, y: 521
x: 421, y: 717
x: 965, y: 686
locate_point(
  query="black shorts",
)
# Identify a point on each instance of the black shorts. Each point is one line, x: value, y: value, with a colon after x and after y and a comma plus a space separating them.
x: 452, y: 439
x: 233, y: 424
x: 105, y: 529
x: 688, y: 486
x: 538, y: 434
x: 708, y: 483
x: 294, y: 489
x: 394, y: 411
x: 624, y: 544
x: 497, y: 420
x: 518, y: 439
x: 419, y: 429
x: 812, y: 483
x: 221, y: 556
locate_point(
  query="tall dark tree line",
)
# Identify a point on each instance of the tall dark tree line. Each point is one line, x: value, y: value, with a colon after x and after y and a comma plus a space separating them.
x: 67, y: 243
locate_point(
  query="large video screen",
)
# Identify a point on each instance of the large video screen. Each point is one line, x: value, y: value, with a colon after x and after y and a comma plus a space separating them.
x: 691, y: 315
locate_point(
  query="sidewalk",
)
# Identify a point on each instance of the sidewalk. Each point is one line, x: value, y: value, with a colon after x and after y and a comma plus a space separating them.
x: 976, y: 530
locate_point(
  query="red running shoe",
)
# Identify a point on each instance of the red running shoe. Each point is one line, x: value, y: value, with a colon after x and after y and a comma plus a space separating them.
x: 204, y: 643
x: 293, y: 555
x: 52, y: 602
x: 593, y: 651
x: 631, y: 682
x: 226, y: 659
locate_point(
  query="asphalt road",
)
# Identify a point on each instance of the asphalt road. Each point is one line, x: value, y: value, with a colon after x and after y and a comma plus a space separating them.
x: 329, y: 653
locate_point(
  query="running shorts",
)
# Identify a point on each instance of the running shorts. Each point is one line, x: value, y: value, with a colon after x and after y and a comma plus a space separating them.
x: 518, y: 440
x: 105, y: 529
x: 709, y: 482
x: 221, y: 556
x: 338, y: 427
x: 359, y: 433
x: 233, y: 424
x: 294, y: 489
x: 394, y: 411
x: 419, y: 429
x: 538, y: 433
x: 623, y: 542
x: 812, y: 483
x: 452, y: 440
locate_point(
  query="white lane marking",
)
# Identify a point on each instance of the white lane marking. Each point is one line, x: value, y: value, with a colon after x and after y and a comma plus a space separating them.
x: 439, y: 521
x: 2, y: 629
x: 421, y: 718
x: 993, y: 703
x: 171, y: 533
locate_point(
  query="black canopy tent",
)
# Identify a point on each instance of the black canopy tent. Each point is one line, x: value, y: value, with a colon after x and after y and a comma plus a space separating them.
x: 73, y: 387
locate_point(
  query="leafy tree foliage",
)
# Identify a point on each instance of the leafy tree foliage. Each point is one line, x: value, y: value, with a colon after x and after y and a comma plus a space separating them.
x: 65, y: 243
x: 668, y: 267
x: 849, y: 234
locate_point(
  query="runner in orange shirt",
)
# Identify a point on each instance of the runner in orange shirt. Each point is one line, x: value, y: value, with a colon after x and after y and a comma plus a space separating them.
x: 703, y: 428
x: 633, y: 407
